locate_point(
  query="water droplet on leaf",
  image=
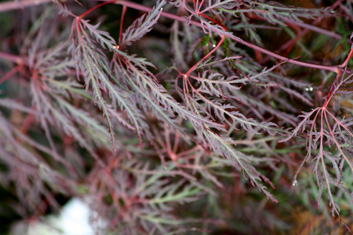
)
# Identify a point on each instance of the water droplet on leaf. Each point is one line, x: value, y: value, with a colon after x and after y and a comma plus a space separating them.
x: 295, y: 183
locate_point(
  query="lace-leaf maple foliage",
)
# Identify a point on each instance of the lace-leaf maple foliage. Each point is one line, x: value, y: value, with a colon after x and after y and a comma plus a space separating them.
x: 201, y: 114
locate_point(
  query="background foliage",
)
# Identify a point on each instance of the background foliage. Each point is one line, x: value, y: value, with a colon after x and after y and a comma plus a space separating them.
x: 177, y: 121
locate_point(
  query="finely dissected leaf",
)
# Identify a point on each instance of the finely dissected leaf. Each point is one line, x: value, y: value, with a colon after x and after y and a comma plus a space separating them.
x: 142, y: 25
x: 197, y: 132
x: 212, y: 83
x: 95, y: 69
x: 322, y: 133
x: 160, y: 96
x: 216, y: 6
x: 223, y: 147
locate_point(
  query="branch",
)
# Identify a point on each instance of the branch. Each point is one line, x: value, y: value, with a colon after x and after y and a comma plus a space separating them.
x: 13, y: 58
x: 336, y: 69
x: 136, y: 6
x: 313, y: 28
x: 16, y: 5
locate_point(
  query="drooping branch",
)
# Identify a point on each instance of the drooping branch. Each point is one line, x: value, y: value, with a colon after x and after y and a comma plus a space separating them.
x: 15, y: 5
x: 335, y: 68
x: 137, y: 6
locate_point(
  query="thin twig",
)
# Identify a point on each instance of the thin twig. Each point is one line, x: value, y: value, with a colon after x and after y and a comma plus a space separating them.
x: 13, y: 58
x: 336, y: 69
x: 137, y: 6
x: 13, y: 5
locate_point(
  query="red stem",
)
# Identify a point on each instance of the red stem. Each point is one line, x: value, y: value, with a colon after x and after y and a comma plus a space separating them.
x: 206, y: 56
x: 344, y: 64
x: 98, y: 6
x: 9, y: 74
x: 121, y: 23
x: 27, y: 122
x: 214, y: 49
